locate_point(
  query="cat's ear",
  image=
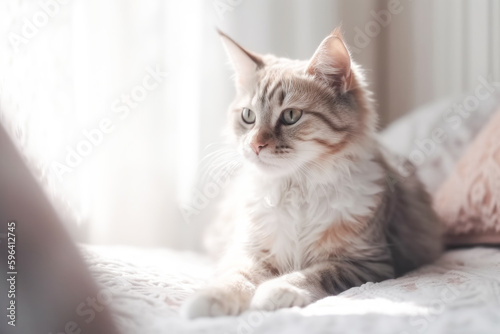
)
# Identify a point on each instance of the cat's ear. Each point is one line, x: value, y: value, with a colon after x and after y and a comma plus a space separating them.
x: 244, y: 62
x: 332, y: 62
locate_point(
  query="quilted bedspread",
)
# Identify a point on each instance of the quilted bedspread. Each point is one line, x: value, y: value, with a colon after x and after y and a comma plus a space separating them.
x: 460, y: 293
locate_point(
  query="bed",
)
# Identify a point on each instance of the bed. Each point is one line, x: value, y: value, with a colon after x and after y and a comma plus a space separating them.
x: 460, y: 293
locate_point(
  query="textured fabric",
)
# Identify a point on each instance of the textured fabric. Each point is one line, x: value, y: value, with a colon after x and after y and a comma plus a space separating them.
x: 460, y: 293
x: 414, y: 136
x: 469, y: 200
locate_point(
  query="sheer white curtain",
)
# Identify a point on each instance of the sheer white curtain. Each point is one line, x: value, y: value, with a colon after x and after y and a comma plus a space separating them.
x: 135, y: 189
x: 103, y: 100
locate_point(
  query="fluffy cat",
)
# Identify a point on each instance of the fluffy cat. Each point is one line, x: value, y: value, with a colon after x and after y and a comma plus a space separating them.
x: 317, y: 208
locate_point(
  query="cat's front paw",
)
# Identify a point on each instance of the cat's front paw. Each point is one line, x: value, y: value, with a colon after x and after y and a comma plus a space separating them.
x: 213, y: 303
x: 276, y: 294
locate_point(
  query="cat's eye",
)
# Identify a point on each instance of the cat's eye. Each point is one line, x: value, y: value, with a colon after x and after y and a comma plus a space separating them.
x: 248, y: 116
x: 291, y: 116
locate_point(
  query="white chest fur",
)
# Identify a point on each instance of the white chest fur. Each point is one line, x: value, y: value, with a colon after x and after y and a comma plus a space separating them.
x: 290, y: 215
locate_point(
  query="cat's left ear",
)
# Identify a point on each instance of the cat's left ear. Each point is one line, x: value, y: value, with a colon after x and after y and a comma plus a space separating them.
x: 244, y: 62
x: 332, y: 62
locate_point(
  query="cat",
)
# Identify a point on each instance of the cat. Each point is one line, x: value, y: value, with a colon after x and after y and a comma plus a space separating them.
x: 317, y: 207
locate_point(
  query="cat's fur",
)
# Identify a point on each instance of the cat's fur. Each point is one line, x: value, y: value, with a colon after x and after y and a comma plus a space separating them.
x: 317, y: 208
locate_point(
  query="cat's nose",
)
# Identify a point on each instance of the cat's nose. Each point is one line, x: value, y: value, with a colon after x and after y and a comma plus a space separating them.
x: 258, y: 146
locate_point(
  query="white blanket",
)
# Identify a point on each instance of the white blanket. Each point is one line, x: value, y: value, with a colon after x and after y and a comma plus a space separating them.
x: 458, y: 294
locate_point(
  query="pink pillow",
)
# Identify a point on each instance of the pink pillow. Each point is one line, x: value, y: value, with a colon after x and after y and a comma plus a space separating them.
x: 469, y: 200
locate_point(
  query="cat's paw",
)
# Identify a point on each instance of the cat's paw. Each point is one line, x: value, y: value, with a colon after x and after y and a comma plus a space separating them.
x: 212, y: 303
x: 276, y: 294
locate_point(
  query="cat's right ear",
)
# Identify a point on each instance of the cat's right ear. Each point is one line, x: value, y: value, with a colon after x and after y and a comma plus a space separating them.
x: 244, y: 62
x: 332, y: 62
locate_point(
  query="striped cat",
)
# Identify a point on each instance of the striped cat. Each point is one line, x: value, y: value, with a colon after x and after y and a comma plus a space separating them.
x: 317, y: 208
